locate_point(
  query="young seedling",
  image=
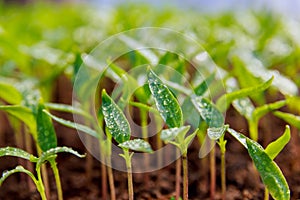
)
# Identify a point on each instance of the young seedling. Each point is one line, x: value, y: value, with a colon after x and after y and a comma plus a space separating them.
x: 216, y: 129
x: 30, y: 112
x: 270, y: 173
x: 46, y: 156
x: 171, y: 112
x: 118, y: 128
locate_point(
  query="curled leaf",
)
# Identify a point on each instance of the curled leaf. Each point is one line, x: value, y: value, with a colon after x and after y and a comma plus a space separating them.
x: 16, y: 152
x: 274, y: 148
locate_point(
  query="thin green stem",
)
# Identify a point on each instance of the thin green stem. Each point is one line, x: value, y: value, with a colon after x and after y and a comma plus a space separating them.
x: 57, y: 178
x: 159, y: 143
x: 44, y: 174
x: 178, y: 176
x: 111, y: 180
x: 144, y: 121
x: 127, y: 156
x: 266, y: 196
x: 103, y: 178
x: 185, y: 177
x: 222, y: 144
x: 103, y: 148
x: 212, y: 174
x: 40, y: 185
x: 28, y: 148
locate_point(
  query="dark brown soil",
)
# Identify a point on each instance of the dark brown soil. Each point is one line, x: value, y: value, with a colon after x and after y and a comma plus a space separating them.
x: 242, y: 179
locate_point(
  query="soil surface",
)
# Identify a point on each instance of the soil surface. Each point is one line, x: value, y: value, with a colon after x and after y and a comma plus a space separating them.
x: 242, y: 179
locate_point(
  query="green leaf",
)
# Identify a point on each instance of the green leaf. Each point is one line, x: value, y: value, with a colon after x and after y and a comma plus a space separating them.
x: 10, y: 94
x: 73, y: 125
x: 225, y: 100
x: 18, y: 169
x: 16, y: 152
x: 66, y: 108
x: 115, y: 120
x: 168, y: 135
x: 189, y: 138
x: 270, y: 173
x: 214, y: 133
x: 258, y: 113
x: 166, y: 103
x: 46, y: 135
x: 53, y: 152
x: 240, y: 137
x: 203, y: 86
x: 209, y: 113
x: 262, y: 110
x: 274, y: 148
x: 143, y: 107
x: 137, y: 145
x: 289, y: 118
x: 244, y: 106
x: 22, y: 113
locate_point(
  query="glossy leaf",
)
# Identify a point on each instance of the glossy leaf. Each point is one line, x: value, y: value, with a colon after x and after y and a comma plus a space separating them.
x: 240, y: 137
x: 270, y: 173
x: 274, y: 148
x: 22, y: 113
x: 289, y: 118
x: 215, y: 133
x: 18, y: 169
x: 46, y: 135
x: 53, y: 152
x: 70, y: 124
x: 115, y: 120
x: 225, y: 100
x: 166, y: 103
x: 168, y: 135
x: 209, y: 113
x: 137, y: 145
x: 16, y: 152
x: 10, y: 94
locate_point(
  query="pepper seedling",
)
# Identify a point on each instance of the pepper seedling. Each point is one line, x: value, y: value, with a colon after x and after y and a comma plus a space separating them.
x: 46, y: 156
x: 118, y: 128
x: 270, y: 173
x: 171, y: 112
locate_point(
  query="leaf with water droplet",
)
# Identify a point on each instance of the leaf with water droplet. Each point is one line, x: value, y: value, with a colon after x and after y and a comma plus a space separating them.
x: 215, y: 133
x: 46, y: 134
x: 18, y: 169
x: 53, y: 152
x: 137, y: 145
x: 269, y: 172
x: 203, y: 86
x: 166, y: 103
x: 115, y: 120
x: 13, y: 151
x: 168, y: 135
x: 209, y: 113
